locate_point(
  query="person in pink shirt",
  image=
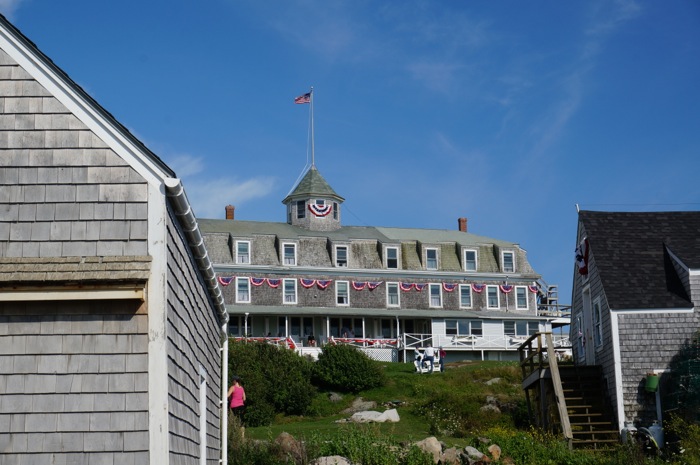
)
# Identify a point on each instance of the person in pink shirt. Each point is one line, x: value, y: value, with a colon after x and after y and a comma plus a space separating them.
x: 237, y: 395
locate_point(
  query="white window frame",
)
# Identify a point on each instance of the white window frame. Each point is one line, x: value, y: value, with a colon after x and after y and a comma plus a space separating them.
x: 476, y: 259
x: 524, y: 291
x: 285, y: 294
x: 473, y: 328
x: 503, y: 261
x: 344, y: 296
x: 432, y: 303
x: 386, y: 257
x: 300, y: 212
x: 468, y: 289
x: 239, y: 297
x: 389, y: 294
x: 284, y: 253
x: 239, y: 256
x: 597, y: 324
x: 488, y: 300
x: 428, y: 259
x: 337, y: 262
x: 522, y: 331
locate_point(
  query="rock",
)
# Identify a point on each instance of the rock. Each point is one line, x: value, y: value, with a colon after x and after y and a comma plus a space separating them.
x: 331, y: 460
x: 359, y: 405
x: 391, y: 416
x: 432, y: 446
x: 490, y: 408
x: 473, y: 453
x: 451, y: 456
x: 335, y: 397
x: 365, y: 417
x: 491, y: 400
x: 495, y: 452
x: 493, y: 381
x: 508, y: 461
x: 290, y: 447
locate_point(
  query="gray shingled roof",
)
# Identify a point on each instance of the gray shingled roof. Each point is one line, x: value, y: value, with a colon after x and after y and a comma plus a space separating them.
x: 629, y: 251
x: 311, y: 185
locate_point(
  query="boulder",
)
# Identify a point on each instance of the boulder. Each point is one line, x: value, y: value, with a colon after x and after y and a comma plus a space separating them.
x: 365, y: 417
x: 335, y: 397
x: 451, y: 456
x: 432, y: 446
x: 473, y: 453
x: 359, y: 405
x: 493, y: 381
x: 331, y: 460
x: 495, y: 452
x: 290, y: 447
x: 490, y: 408
x: 391, y: 416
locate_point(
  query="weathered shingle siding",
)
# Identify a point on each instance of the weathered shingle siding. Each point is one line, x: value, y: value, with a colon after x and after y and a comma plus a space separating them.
x: 649, y: 341
x: 63, y: 192
x: 74, y: 381
x: 193, y: 340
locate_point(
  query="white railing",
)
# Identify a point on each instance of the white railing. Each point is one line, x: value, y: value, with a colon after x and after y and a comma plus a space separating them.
x: 472, y: 342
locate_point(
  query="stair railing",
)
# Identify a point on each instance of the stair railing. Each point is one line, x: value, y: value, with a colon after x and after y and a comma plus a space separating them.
x: 535, y: 363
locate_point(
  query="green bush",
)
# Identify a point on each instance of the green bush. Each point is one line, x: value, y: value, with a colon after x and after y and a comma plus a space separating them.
x: 345, y: 368
x: 276, y: 380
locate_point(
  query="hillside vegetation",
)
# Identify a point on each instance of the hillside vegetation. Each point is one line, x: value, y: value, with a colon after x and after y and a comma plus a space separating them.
x: 471, y: 404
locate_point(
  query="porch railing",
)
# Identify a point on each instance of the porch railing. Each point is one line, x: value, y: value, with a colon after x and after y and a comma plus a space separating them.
x: 474, y: 342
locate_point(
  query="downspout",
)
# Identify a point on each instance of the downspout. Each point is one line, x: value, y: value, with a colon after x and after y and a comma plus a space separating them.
x: 185, y: 216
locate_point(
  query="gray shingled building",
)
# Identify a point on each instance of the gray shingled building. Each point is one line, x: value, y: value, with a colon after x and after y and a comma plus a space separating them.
x: 312, y: 280
x: 635, y: 302
x: 111, y: 318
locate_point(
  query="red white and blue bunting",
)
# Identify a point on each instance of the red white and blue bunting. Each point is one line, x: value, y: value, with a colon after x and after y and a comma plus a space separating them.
x: 506, y: 288
x: 582, y: 257
x: 449, y: 287
x: 358, y: 286
x: 307, y: 283
x: 320, y: 210
x: 407, y: 286
x: 273, y: 283
x: 225, y: 281
x: 478, y: 288
x: 257, y: 281
x: 323, y: 283
x: 533, y: 289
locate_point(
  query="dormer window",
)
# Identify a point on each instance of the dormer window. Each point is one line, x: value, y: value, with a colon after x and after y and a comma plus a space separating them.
x: 341, y: 255
x: 431, y: 259
x: 508, y: 262
x: 289, y: 252
x: 243, y: 252
x: 301, y: 209
x: 470, y: 258
x: 335, y: 210
x: 392, y: 258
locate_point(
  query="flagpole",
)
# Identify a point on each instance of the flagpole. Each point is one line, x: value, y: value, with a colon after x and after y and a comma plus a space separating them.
x: 311, y: 99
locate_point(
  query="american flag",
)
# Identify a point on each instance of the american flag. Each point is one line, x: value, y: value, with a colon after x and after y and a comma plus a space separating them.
x: 306, y: 98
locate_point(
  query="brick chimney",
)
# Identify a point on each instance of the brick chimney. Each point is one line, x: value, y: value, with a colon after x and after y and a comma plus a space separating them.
x: 462, y: 224
x: 230, y: 209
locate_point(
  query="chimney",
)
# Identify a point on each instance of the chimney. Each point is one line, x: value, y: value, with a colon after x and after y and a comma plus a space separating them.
x: 229, y: 211
x: 462, y: 223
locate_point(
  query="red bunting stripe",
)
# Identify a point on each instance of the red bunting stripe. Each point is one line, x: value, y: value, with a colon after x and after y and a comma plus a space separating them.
x: 406, y: 286
x: 225, y: 281
x: 358, y: 286
x: 322, y: 284
x: 506, y: 288
x: 533, y: 289
x: 307, y: 283
x: 373, y: 285
x: 257, y: 281
x: 420, y: 286
x: 478, y: 288
x: 273, y: 283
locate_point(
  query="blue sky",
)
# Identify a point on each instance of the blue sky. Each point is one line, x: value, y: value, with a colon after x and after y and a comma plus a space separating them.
x: 509, y: 113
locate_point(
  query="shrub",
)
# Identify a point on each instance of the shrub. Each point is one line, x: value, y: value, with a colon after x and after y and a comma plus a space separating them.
x: 346, y: 369
x: 276, y: 380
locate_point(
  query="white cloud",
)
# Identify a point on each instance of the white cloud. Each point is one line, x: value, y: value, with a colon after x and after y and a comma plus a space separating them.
x: 209, y: 197
x: 186, y: 165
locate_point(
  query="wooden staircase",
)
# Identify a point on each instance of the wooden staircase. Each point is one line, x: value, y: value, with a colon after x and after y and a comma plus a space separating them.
x: 590, y: 415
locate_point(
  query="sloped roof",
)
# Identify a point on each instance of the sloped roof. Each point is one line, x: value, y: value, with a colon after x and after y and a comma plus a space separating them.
x: 312, y: 184
x: 629, y: 250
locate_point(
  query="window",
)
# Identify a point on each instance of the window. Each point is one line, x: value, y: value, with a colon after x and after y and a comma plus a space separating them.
x: 521, y: 297
x: 532, y: 327
x: 431, y: 259
x: 342, y: 297
x: 301, y: 209
x: 597, y: 324
x: 341, y: 255
x: 465, y: 296
x: 520, y: 328
x: 290, y: 291
x: 242, y: 290
x: 436, y: 295
x: 470, y: 260
x: 335, y: 210
x: 492, y: 299
x: 463, y: 328
x: 392, y: 295
x: 508, y: 262
x: 290, y: 254
x: 242, y: 252
x: 392, y: 257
